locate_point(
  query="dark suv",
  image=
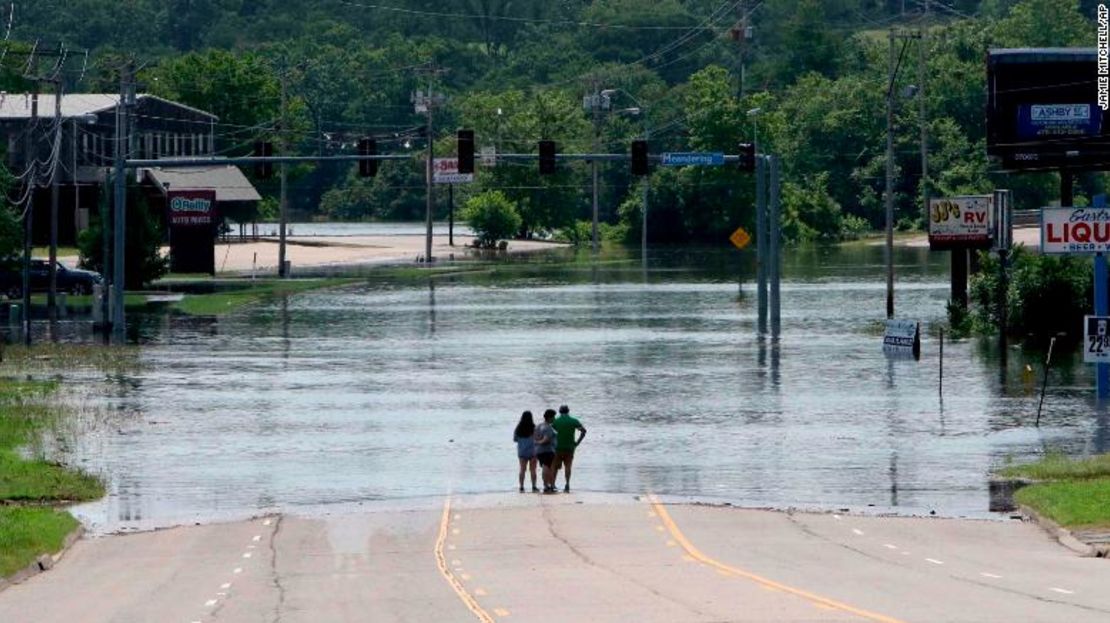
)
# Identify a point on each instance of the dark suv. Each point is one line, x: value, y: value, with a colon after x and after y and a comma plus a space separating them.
x: 71, y: 280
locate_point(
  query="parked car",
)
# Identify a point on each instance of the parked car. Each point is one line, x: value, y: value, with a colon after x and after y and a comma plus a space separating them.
x: 71, y: 280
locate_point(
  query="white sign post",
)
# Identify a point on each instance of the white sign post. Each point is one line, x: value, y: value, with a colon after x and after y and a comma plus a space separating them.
x: 446, y: 171
x: 961, y: 221
x: 1075, y: 230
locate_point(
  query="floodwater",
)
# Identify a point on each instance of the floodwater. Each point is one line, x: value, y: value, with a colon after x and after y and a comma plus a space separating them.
x: 408, y: 390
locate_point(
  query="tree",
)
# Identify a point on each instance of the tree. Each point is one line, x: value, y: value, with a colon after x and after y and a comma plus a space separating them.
x: 492, y: 217
x: 143, y: 259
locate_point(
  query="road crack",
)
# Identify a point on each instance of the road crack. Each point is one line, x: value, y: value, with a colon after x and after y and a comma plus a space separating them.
x: 275, y: 577
x: 589, y: 561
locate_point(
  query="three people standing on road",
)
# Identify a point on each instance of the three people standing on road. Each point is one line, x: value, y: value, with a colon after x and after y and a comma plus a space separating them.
x: 526, y: 447
x: 551, y: 443
x: 565, y: 443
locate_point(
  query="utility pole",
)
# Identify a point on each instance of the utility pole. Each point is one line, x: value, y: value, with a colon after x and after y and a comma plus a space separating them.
x: 29, y: 214
x: 647, y: 192
x: 283, y: 217
x: 596, y: 106
x: 451, y: 215
x: 51, y: 297
x: 922, y: 74
x: 890, y: 180
x: 123, y: 134
x: 426, y: 103
x: 430, y: 176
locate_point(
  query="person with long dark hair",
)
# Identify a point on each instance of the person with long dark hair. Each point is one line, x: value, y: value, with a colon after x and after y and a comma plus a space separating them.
x: 526, y: 448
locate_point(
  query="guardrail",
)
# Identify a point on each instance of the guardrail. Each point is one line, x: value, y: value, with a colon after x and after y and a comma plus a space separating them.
x: 1026, y: 218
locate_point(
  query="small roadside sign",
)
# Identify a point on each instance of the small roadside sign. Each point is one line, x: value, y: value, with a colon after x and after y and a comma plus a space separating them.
x: 489, y: 156
x: 902, y: 338
x: 740, y: 238
x: 446, y: 171
x: 696, y: 159
x: 1096, y: 339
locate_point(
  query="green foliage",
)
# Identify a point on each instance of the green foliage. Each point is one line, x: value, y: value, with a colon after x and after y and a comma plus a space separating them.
x: 1070, y: 503
x: 1045, y: 295
x: 492, y: 216
x: 143, y: 260
x: 27, y: 533
x: 1058, y: 466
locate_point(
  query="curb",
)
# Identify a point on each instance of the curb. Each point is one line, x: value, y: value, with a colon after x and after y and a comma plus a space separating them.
x: 44, y: 562
x: 1062, y: 535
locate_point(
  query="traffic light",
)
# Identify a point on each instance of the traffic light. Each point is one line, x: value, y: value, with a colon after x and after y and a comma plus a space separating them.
x: 747, y: 157
x: 547, y: 157
x: 466, y: 151
x: 367, y: 147
x: 640, y: 158
x: 263, y: 170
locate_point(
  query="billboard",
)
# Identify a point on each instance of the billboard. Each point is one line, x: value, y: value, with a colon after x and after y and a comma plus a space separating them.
x: 446, y: 171
x: 1044, y: 112
x: 962, y: 222
x: 1075, y: 230
x: 192, y: 217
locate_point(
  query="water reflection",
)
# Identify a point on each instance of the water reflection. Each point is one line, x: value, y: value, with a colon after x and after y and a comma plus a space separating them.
x: 387, y: 390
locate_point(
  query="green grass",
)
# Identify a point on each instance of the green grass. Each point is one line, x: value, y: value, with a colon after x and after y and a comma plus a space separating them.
x: 39, y: 481
x: 219, y: 303
x: 1055, y: 466
x: 28, y: 529
x: 1070, y: 503
x: 27, y: 533
x: 44, y: 252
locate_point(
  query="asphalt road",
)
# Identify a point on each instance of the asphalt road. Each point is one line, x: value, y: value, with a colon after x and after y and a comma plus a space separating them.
x: 570, y: 558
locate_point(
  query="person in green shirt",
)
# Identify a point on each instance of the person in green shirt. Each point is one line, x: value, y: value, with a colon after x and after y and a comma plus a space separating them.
x: 564, y: 426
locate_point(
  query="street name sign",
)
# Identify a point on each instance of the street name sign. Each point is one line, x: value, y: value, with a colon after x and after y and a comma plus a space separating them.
x: 446, y: 171
x: 697, y: 159
x: 1075, y: 230
x: 740, y: 238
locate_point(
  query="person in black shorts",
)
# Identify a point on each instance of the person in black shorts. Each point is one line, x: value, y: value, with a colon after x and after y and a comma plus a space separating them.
x: 545, y: 449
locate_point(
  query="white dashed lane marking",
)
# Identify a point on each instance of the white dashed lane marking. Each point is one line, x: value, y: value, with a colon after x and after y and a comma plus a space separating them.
x: 857, y: 532
x: 247, y: 555
x: 257, y: 538
x: 238, y: 570
x: 225, y: 586
x: 934, y: 561
x: 1062, y: 590
x: 210, y: 603
x: 990, y: 575
x: 889, y: 546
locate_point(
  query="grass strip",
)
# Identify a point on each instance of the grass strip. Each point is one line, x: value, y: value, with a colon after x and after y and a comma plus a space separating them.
x: 27, y: 533
x: 38, y: 481
x: 219, y: 303
x: 1057, y: 466
x: 1071, y: 503
x: 27, y: 528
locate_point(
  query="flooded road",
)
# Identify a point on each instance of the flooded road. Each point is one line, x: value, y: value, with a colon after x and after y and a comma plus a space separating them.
x: 403, y: 390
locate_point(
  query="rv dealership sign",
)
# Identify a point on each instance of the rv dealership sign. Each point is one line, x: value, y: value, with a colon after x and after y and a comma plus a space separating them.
x: 961, y: 222
x: 1075, y: 230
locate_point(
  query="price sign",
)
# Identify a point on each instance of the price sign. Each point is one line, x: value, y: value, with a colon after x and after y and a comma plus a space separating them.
x: 1096, y: 339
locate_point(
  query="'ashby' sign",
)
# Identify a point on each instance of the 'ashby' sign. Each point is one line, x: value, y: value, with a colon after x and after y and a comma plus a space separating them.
x: 191, y: 208
x: 1075, y: 230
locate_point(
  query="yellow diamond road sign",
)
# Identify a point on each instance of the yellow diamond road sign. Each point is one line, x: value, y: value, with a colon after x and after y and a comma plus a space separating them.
x: 741, y: 238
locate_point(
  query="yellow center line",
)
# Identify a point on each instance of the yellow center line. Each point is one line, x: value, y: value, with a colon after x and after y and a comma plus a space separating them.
x: 452, y: 581
x: 724, y: 569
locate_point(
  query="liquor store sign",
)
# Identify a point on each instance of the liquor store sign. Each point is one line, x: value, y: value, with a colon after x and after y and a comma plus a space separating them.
x: 1075, y: 230
x: 191, y: 208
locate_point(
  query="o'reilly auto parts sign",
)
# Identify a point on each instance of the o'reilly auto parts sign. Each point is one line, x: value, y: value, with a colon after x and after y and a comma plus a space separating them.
x: 1075, y: 230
